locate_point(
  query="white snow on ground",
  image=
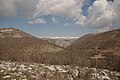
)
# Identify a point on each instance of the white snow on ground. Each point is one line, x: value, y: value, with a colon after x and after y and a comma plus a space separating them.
x: 34, y: 71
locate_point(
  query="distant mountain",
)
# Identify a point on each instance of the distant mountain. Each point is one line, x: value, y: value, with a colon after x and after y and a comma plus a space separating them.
x: 16, y: 44
x: 61, y: 41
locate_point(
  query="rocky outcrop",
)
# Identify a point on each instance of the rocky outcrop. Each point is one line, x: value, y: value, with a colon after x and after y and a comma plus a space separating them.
x: 61, y: 41
x: 34, y: 71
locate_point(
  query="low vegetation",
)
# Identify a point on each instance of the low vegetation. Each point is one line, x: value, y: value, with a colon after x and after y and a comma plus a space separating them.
x: 34, y: 71
x: 95, y: 51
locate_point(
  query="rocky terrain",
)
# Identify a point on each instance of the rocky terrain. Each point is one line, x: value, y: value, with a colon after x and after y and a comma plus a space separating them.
x: 12, y: 33
x: 107, y: 41
x: 100, y: 50
x: 16, y: 45
x: 34, y: 71
x: 63, y: 42
x: 17, y: 40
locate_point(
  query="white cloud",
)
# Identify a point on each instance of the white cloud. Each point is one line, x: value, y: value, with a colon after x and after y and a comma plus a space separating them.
x: 17, y: 8
x: 101, y: 14
x: 66, y: 24
x: 68, y: 8
x: 25, y: 8
x: 37, y: 21
x: 7, y: 8
x: 104, y: 14
x: 61, y: 37
x: 54, y: 20
x: 104, y: 29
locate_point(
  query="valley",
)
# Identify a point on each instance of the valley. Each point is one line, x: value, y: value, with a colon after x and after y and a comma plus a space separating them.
x: 93, y: 56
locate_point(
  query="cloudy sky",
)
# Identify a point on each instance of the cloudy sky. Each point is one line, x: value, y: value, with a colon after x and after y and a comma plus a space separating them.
x: 49, y: 18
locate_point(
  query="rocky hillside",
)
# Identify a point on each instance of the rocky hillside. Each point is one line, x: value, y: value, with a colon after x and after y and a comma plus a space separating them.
x: 63, y: 42
x: 107, y: 41
x: 15, y: 43
x: 101, y: 50
x: 33, y: 71
x: 12, y: 33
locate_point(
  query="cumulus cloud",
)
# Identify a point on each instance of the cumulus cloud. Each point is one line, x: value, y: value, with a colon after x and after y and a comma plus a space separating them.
x: 104, y: 29
x: 103, y: 13
x: 54, y: 20
x: 66, y: 24
x: 25, y: 8
x: 7, y: 8
x: 18, y: 8
x: 68, y: 8
x: 37, y: 21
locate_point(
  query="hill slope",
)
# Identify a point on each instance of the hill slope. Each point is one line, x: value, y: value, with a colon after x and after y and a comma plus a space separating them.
x: 109, y: 41
x: 101, y: 50
x: 16, y: 44
x: 13, y: 33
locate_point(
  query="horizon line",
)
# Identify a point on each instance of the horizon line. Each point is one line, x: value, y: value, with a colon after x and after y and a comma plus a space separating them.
x: 61, y: 37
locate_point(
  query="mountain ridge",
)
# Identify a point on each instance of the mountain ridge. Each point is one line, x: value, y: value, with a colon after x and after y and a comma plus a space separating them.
x: 23, y: 45
x: 96, y: 40
x: 13, y: 33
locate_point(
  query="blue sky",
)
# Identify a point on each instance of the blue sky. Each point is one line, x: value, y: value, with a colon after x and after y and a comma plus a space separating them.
x: 52, y: 23
x: 49, y: 29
